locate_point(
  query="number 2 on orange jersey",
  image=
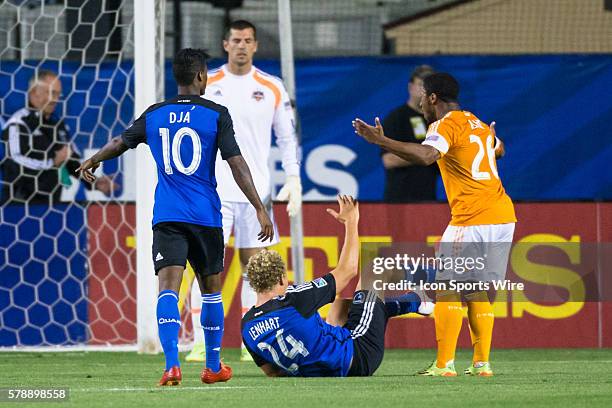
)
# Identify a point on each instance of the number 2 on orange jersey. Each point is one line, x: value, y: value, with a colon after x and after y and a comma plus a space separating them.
x: 490, y: 152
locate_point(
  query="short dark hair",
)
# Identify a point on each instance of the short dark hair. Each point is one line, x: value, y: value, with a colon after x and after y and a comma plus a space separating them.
x: 444, y: 85
x: 187, y: 63
x: 421, y: 72
x: 240, y: 25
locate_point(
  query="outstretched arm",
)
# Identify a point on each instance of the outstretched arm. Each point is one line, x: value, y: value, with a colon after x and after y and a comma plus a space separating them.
x: 348, y: 264
x: 242, y: 176
x: 116, y: 147
x: 413, y: 153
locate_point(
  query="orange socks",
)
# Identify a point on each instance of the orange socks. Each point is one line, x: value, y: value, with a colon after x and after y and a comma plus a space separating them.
x: 448, y: 319
x: 480, y: 317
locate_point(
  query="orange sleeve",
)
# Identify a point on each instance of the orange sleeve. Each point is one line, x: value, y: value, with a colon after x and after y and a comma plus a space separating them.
x: 216, y: 77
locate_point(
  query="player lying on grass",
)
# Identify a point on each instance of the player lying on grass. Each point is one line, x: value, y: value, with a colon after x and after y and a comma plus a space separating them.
x: 286, y: 335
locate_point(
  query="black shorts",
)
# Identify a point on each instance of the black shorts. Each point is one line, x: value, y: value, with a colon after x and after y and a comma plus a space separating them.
x: 367, y: 321
x: 175, y: 243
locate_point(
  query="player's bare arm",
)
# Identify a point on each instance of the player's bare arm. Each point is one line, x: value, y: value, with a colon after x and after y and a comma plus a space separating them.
x: 114, y: 148
x: 242, y: 176
x: 348, y: 264
x: 413, y: 153
x: 392, y: 161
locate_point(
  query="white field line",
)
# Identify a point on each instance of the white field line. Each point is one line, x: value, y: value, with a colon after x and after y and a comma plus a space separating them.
x: 165, y: 389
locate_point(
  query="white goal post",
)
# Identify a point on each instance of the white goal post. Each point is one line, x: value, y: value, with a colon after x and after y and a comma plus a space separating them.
x: 288, y: 71
x: 148, y: 67
x: 76, y: 273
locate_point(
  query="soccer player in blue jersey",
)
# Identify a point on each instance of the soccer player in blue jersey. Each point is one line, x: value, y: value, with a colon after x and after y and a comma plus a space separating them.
x: 286, y: 335
x: 184, y: 134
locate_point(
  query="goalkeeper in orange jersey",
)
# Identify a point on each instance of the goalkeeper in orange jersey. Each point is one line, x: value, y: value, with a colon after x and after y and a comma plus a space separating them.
x: 483, y: 216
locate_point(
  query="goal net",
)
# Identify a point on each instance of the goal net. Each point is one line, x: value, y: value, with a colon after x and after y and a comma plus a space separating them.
x: 70, y: 272
x: 68, y: 254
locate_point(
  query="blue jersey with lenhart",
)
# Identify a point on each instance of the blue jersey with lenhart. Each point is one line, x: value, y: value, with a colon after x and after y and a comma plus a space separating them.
x: 289, y: 333
x: 184, y: 134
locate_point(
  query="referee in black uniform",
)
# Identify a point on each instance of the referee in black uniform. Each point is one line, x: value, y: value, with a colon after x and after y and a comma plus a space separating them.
x: 405, y: 183
x: 36, y: 146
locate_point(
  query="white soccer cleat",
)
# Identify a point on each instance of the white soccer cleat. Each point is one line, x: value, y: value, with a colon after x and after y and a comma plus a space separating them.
x: 427, y: 305
x: 426, y: 308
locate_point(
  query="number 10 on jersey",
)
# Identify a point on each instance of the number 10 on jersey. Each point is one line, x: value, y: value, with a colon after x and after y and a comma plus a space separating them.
x: 175, y: 152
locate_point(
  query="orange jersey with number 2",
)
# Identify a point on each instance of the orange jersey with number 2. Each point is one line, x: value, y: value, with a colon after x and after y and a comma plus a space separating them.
x: 469, y: 170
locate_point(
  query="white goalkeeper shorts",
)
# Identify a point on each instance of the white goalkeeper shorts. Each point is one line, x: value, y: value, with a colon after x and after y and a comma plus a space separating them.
x: 475, y: 252
x: 241, y: 219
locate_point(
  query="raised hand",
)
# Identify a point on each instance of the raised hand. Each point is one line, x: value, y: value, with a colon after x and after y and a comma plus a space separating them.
x: 492, y: 128
x: 500, y: 150
x: 349, y: 210
x: 372, y: 134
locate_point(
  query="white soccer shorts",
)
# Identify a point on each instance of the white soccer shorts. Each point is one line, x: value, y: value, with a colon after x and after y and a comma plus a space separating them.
x: 476, y: 252
x: 242, y: 219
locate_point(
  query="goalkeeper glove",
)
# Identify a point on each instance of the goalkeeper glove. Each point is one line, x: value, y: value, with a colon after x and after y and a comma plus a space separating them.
x: 292, y: 192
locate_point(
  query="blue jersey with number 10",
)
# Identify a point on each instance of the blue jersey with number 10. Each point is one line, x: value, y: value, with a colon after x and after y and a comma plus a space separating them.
x: 184, y: 134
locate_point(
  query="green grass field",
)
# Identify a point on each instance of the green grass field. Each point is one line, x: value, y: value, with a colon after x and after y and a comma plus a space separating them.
x: 559, y: 378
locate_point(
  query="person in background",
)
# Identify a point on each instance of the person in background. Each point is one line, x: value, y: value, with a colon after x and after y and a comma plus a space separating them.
x: 258, y: 104
x: 38, y: 149
x: 404, y: 182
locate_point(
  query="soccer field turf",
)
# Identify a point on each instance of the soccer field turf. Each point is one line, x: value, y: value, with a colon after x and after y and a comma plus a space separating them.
x: 560, y: 378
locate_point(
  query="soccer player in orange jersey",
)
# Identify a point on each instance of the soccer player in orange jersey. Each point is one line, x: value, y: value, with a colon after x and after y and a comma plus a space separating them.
x: 466, y: 150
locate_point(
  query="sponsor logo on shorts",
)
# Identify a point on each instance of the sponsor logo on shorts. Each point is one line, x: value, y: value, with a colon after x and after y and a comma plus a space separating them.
x: 159, y: 257
x: 319, y: 282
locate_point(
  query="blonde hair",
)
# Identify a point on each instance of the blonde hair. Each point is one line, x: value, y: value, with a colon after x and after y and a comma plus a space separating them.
x: 265, y: 270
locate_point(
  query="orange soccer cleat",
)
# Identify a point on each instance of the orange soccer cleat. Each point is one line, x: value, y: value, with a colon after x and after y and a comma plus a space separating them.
x: 172, y: 376
x: 210, y: 377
